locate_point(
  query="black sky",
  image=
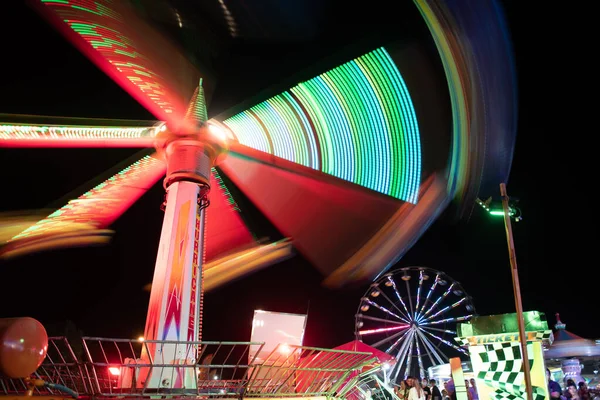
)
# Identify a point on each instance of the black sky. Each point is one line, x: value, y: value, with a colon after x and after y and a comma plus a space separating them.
x: 100, y: 289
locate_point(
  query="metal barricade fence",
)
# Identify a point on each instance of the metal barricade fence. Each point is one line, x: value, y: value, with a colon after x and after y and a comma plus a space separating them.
x: 109, y: 368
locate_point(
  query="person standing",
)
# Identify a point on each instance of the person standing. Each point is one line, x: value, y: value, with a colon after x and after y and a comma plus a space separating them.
x: 409, y: 384
x: 451, y: 389
x: 416, y: 391
x: 473, y: 390
x: 553, y: 387
x: 435, y: 391
x: 402, y: 391
x: 425, y: 386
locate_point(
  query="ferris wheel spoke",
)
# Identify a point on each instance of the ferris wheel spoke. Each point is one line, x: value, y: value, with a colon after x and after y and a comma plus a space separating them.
x: 389, y: 349
x: 382, y: 330
x: 410, y: 352
x: 403, y: 353
x: 412, y: 310
x: 442, y: 330
x: 419, y: 358
x: 389, y: 321
x: 445, y: 309
x: 442, y: 340
x: 405, y: 315
x: 431, y: 289
x: 421, y: 279
x: 439, y: 299
x: 446, y: 320
x: 382, y: 308
x: 426, y: 348
x: 432, y: 348
x: 393, y: 283
x: 390, y: 338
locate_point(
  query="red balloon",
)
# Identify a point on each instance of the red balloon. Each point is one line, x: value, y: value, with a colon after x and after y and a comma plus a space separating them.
x: 23, y: 346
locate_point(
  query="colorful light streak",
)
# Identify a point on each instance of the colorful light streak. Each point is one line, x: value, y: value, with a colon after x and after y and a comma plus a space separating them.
x: 146, y: 65
x: 476, y: 53
x: 355, y: 122
x: 103, y: 204
x: 75, y: 136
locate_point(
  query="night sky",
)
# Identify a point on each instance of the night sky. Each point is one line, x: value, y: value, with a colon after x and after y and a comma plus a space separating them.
x: 100, y: 289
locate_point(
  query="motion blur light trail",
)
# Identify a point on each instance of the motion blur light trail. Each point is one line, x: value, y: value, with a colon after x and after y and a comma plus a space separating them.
x: 350, y: 142
x: 355, y: 122
x: 477, y: 55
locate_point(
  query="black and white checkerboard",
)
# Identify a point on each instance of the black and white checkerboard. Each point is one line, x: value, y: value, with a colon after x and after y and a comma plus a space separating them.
x: 501, y: 369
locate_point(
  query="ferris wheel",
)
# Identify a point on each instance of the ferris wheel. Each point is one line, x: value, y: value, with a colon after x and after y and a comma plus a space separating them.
x: 411, y: 313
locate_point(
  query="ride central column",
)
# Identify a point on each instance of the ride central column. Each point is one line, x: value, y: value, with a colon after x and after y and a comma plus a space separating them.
x: 174, y: 312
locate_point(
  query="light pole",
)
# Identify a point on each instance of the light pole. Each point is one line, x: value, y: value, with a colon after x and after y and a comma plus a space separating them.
x: 516, y: 289
x: 507, y: 212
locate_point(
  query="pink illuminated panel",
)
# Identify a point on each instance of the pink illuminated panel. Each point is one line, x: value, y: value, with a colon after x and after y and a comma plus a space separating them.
x: 278, y: 331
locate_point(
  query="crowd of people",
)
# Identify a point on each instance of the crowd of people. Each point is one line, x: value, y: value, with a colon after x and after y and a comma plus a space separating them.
x: 413, y: 389
x: 572, y: 390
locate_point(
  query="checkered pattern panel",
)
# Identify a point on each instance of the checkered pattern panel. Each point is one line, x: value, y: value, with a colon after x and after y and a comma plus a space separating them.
x: 501, y: 370
x: 545, y: 336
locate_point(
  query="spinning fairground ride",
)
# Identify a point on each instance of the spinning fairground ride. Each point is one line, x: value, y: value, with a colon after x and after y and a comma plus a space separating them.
x: 351, y: 161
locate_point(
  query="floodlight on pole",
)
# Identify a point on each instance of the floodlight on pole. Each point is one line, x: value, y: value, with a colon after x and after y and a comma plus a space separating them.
x: 508, y: 210
x: 496, y: 208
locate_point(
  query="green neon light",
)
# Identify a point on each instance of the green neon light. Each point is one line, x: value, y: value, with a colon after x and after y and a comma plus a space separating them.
x: 356, y: 122
x: 500, y: 213
x: 226, y: 193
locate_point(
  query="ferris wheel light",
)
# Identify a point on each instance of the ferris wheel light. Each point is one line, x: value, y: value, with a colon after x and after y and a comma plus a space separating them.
x: 388, y: 282
x: 443, y: 282
x: 406, y: 277
x: 458, y: 292
x: 364, y: 308
x: 375, y: 293
x: 469, y: 307
x: 359, y: 324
